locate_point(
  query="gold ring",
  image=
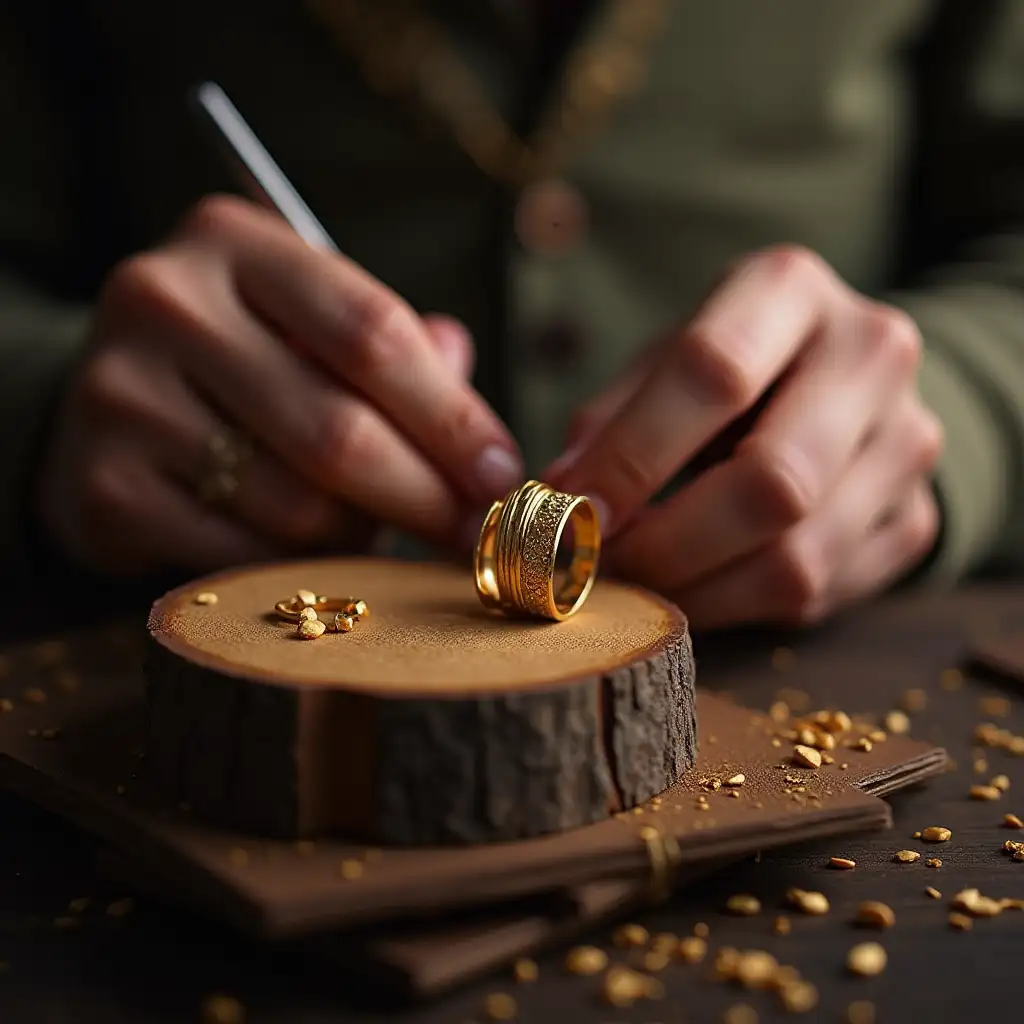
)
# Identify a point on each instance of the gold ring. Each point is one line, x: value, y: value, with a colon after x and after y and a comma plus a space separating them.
x: 291, y: 609
x: 227, y: 453
x: 515, y: 559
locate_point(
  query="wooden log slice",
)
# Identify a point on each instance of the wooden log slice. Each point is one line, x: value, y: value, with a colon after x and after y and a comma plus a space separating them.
x: 432, y: 722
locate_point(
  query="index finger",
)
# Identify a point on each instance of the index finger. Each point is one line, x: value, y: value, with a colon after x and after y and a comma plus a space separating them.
x: 740, y: 342
x: 365, y: 334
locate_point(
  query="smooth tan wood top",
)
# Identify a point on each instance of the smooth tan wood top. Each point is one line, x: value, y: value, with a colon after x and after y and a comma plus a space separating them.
x: 427, y: 632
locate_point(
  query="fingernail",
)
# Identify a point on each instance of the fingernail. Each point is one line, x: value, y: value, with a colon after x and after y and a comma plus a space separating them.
x: 497, y: 472
x: 603, y: 513
x: 453, y: 341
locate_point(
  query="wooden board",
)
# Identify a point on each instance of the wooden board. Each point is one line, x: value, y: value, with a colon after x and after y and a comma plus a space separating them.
x: 90, y: 775
x: 433, y: 722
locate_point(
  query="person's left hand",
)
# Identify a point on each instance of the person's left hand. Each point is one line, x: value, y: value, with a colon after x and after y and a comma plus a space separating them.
x: 825, y: 501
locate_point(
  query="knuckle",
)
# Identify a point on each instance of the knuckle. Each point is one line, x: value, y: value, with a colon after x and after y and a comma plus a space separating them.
x: 136, y: 279
x: 896, y: 335
x: 796, y: 260
x: 105, y: 383
x: 378, y: 327
x: 781, y: 484
x: 801, y: 575
x: 345, y: 443
x: 715, y: 361
x: 215, y: 217
x: 628, y: 473
x: 930, y: 440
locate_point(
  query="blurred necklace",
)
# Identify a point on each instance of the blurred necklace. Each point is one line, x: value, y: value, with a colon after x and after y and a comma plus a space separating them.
x: 403, y: 52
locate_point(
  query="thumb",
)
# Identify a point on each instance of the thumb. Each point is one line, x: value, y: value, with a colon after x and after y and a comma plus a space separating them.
x: 453, y: 342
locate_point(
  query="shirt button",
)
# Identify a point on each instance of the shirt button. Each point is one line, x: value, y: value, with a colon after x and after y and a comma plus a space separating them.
x: 550, y: 217
x: 559, y: 346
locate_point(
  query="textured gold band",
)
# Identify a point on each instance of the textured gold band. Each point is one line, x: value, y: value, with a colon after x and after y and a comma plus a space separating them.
x: 515, y: 561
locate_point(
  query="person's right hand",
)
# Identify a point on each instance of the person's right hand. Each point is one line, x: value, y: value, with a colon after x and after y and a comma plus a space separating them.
x: 359, y: 412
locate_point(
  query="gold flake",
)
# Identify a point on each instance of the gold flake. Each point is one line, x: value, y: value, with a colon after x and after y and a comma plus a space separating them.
x: 936, y: 834
x: 873, y: 914
x: 866, y: 959
x: 743, y: 905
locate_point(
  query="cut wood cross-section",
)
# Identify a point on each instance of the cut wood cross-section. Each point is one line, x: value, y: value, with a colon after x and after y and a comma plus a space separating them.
x: 432, y: 722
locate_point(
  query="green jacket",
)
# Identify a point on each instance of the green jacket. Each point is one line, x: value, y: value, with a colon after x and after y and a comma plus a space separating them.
x: 887, y: 135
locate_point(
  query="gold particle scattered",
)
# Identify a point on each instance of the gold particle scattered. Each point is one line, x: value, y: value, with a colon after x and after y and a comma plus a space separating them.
x: 743, y: 905
x: 877, y: 736
x: 756, y: 969
x: 623, y: 987
x: 783, y: 659
x: 827, y: 759
x: 860, y: 1013
x: 586, y: 960
x: 864, y: 744
x: 33, y: 695
x: 914, y: 700
x: 223, y: 1010
x: 67, y: 681
x: 897, y: 723
x: 1000, y: 782
x: 712, y: 738
x: 655, y: 960
x: 207, y: 597
x: 934, y: 893
x: 776, y: 742
x: 960, y: 922
x: 806, y: 757
x: 1011, y: 847
x: 813, y: 903
x: 525, y: 971
x: 971, y: 901
x: 994, y: 707
x: 736, y: 780
x: 980, y: 766
x: 310, y: 629
x: 936, y: 834
x: 985, y: 793
x: 781, y: 925
x: 873, y: 914
x: 798, y: 997
x: 916, y: 835
x: 779, y: 712
x: 693, y: 949
x: 842, y: 863
x: 907, y: 856
x: 844, y: 766
x: 951, y: 679
x: 866, y: 959
x: 1012, y: 821
x: 629, y: 936
x: 350, y: 868
x: 933, y: 862
x: 666, y: 941
x: 121, y: 908
x: 500, y: 1006
x: 239, y: 857
x: 51, y: 653
x: 701, y: 930
x: 734, y: 793
x: 741, y: 1013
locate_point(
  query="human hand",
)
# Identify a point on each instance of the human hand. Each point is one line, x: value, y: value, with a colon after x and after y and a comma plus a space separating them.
x: 824, y: 501
x: 357, y: 410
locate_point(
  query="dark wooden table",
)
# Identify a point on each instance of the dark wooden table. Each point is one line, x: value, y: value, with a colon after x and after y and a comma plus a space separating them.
x: 156, y: 965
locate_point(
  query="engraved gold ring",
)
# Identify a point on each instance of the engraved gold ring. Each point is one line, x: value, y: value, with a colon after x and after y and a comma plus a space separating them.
x: 515, y: 560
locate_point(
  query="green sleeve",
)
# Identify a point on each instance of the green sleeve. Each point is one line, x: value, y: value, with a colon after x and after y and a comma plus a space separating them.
x: 967, y: 291
x: 40, y: 334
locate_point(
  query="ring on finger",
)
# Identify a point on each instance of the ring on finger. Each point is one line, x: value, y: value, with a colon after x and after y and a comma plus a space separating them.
x: 227, y: 453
